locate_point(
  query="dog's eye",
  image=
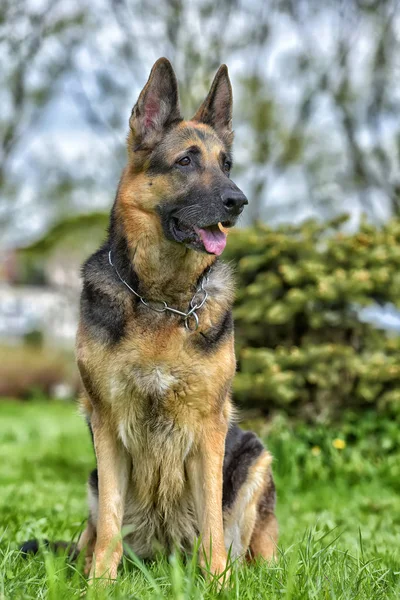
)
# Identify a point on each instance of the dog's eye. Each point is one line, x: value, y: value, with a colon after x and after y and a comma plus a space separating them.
x: 227, y: 166
x: 184, y: 162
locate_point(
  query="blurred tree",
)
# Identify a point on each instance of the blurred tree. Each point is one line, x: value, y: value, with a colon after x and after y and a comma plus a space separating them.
x: 316, y: 108
x: 317, y: 99
x: 327, y: 115
x: 36, y: 43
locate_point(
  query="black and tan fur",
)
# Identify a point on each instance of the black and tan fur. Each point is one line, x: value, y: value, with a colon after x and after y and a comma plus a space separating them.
x: 171, y: 463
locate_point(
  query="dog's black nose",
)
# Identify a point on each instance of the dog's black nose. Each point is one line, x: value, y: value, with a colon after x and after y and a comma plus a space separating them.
x: 234, y: 201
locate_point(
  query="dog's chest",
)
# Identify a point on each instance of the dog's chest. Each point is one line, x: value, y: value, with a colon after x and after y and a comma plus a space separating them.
x: 146, y: 383
x: 159, y: 444
x: 160, y: 389
x: 150, y: 393
x: 152, y: 381
x: 161, y: 371
x: 151, y: 401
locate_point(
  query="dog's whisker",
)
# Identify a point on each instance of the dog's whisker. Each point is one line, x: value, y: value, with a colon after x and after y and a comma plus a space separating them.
x: 187, y: 207
x: 190, y: 217
x: 188, y: 211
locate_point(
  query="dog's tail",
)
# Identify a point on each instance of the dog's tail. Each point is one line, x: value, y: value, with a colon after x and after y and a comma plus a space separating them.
x: 33, y: 547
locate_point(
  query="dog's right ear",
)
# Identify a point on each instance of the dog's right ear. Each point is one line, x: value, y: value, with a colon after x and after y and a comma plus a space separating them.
x: 157, y: 107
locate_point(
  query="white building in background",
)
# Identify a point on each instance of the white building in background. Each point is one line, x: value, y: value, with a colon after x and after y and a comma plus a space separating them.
x: 50, y: 307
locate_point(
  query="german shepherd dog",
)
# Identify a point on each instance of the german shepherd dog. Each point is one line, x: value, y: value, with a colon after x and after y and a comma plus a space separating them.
x: 155, y: 349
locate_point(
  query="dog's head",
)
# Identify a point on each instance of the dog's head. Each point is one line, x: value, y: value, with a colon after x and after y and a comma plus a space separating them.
x: 179, y: 171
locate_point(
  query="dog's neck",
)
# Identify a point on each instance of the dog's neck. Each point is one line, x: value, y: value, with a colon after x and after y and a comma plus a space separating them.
x: 164, y: 270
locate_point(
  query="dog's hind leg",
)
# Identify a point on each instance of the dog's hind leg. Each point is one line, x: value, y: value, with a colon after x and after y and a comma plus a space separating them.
x: 250, y: 526
x: 265, y: 534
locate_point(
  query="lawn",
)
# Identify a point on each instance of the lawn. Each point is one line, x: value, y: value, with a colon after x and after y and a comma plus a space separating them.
x: 338, y: 509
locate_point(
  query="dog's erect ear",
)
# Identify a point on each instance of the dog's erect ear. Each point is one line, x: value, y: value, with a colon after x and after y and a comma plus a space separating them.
x: 216, y: 109
x: 157, y: 106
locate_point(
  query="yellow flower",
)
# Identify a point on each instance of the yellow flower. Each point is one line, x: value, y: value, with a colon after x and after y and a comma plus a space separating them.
x: 315, y: 450
x: 339, y: 444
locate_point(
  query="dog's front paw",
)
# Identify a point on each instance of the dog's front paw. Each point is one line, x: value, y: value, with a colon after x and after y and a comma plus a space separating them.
x: 104, y: 580
x: 102, y: 571
x: 218, y: 570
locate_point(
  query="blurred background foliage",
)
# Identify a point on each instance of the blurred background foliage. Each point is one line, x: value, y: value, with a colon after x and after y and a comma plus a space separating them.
x: 303, y: 345
x: 317, y: 122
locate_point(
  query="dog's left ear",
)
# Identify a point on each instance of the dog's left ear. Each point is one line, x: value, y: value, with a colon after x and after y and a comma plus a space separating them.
x: 216, y: 109
x: 157, y: 106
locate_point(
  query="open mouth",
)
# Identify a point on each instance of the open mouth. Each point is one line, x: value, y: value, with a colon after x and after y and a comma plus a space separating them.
x: 211, y: 238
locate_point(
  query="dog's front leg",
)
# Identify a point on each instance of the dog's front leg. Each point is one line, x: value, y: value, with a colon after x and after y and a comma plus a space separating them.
x: 205, y: 476
x: 112, y: 467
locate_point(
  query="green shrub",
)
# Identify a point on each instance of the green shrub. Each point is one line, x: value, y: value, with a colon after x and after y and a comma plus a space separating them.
x: 301, y: 345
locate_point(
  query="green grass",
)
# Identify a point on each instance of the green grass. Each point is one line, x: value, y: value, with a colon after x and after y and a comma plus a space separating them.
x: 338, y: 509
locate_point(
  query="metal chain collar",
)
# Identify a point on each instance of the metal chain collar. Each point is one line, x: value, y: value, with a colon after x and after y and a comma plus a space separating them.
x: 163, y: 306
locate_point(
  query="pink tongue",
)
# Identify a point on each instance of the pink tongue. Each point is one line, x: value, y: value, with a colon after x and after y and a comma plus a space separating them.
x: 214, y: 240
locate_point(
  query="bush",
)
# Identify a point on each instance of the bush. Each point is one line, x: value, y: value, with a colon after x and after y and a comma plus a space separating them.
x: 301, y: 345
